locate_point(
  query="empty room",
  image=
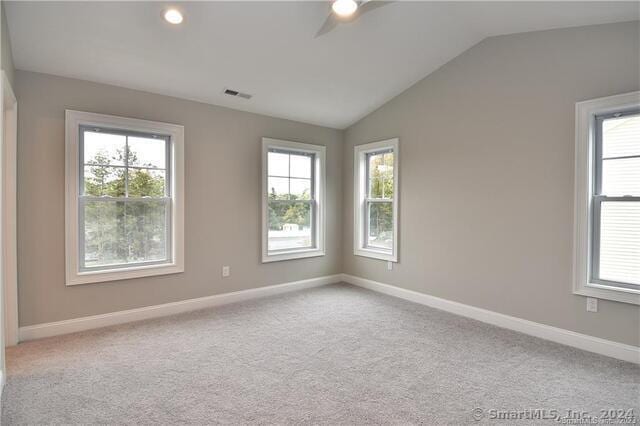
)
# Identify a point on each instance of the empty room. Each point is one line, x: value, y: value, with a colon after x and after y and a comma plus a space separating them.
x: 333, y: 212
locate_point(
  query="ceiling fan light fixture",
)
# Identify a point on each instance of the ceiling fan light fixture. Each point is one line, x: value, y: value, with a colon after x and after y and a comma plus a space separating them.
x: 344, y: 8
x: 173, y: 16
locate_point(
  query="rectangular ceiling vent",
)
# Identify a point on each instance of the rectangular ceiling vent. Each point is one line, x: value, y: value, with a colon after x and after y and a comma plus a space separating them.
x: 232, y: 92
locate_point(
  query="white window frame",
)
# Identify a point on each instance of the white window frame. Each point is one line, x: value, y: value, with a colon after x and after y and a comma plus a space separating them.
x: 318, y: 206
x: 586, y: 113
x: 360, y: 247
x: 74, y: 121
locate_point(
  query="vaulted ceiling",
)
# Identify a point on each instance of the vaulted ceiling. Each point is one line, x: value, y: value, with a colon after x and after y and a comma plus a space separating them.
x: 268, y: 49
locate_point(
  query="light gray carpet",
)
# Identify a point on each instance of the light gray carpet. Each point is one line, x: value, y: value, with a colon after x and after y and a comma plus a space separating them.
x: 330, y: 355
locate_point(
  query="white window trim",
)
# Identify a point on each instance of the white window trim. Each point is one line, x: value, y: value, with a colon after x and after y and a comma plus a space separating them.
x: 360, y: 192
x: 586, y: 112
x: 75, y: 119
x: 320, y: 194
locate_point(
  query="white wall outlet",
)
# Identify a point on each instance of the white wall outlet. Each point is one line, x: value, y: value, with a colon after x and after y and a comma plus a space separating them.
x: 389, y: 266
x: 592, y: 304
x: 226, y: 271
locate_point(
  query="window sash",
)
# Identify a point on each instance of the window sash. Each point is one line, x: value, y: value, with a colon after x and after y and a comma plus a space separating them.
x: 312, y: 221
x: 598, y: 198
x: 369, y: 200
x: 82, y: 224
x: 312, y: 179
x: 367, y: 217
x: 595, y: 242
x: 311, y: 201
x: 127, y: 133
x: 598, y: 148
x: 367, y: 158
x: 83, y: 199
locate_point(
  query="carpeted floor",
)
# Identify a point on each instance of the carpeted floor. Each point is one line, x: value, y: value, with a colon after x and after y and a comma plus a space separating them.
x: 331, y: 355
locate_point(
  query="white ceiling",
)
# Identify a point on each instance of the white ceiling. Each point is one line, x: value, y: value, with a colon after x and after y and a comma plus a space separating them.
x: 268, y: 49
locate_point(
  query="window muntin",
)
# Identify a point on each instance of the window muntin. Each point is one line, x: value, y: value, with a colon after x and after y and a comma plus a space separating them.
x: 379, y: 200
x: 376, y: 200
x: 291, y: 202
x: 124, y: 199
x: 615, y: 257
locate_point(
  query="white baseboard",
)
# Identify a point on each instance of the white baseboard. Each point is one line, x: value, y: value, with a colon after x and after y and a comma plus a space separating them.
x: 97, y: 321
x: 566, y: 337
x: 554, y: 334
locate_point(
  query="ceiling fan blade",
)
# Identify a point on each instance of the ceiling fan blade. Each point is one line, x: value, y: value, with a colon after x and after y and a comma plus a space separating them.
x: 368, y: 6
x: 365, y: 6
x: 330, y: 23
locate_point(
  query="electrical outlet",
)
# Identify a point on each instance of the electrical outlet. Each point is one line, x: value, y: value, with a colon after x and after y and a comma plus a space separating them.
x: 389, y: 266
x: 226, y: 271
x: 592, y: 304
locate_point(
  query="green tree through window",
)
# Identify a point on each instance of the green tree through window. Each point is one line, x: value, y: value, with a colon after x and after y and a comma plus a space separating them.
x: 289, y: 212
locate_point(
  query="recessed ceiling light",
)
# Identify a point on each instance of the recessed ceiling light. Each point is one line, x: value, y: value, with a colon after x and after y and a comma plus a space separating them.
x: 173, y: 16
x: 344, y: 8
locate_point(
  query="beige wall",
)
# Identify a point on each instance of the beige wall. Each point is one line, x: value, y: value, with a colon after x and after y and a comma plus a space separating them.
x: 222, y: 210
x: 486, y: 179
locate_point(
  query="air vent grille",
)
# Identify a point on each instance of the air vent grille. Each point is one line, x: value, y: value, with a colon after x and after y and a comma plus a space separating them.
x: 236, y: 93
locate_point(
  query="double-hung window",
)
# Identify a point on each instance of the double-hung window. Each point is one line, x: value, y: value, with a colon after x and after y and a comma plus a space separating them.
x: 608, y: 198
x: 292, y: 200
x: 376, y: 200
x: 124, y: 198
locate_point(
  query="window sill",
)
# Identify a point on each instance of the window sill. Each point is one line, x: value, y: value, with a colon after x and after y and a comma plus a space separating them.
x: 292, y: 254
x: 376, y: 254
x: 600, y: 291
x: 123, y: 274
